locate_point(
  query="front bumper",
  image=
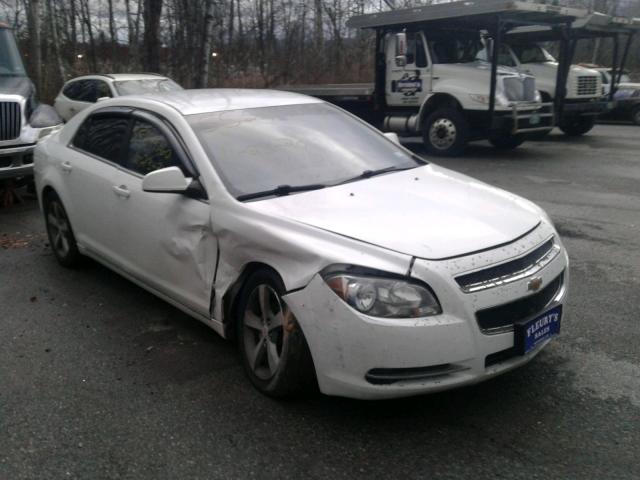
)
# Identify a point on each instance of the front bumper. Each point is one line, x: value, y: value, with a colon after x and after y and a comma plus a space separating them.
x: 16, y: 161
x: 522, y: 118
x: 579, y: 108
x: 371, y: 358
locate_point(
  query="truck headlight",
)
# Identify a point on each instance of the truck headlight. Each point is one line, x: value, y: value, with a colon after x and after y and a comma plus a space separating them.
x: 537, y: 97
x: 501, y: 99
x: 385, y: 297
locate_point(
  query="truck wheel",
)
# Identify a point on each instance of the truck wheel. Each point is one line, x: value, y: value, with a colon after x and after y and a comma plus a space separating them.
x: 578, y: 126
x: 61, y: 238
x: 507, y: 142
x: 445, y: 133
x: 274, y: 351
x: 635, y: 115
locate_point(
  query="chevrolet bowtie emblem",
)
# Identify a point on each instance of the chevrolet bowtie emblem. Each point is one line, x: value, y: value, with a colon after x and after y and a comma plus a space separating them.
x: 534, y: 284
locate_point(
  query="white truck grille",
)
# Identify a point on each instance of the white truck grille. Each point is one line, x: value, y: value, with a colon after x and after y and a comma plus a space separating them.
x: 520, y: 89
x: 10, y: 120
x: 587, y: 86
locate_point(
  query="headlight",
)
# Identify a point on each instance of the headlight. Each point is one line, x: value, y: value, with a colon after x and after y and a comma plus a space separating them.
x: 538, y: 97
x: 384, y: 297
x: 484, y: 99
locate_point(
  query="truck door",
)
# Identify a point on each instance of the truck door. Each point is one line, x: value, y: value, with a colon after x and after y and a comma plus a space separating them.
x: 409, y: 84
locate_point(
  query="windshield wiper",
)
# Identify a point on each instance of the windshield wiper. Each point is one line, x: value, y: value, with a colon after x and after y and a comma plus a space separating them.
x: 373, y: 173
x: 280, y: 191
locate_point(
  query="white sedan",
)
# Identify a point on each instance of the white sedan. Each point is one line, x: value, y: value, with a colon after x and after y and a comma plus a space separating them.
x: 334, y: 256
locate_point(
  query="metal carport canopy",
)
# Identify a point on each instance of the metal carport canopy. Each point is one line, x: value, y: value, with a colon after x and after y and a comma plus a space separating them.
x: 592, y: 26
x: 478, y: 14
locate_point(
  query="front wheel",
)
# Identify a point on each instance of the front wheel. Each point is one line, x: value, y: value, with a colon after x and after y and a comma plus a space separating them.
x: 445, y: 133
x: 274, y: 351
x: 578, y: 126
x: 61, y: 237
x: 507, y: 142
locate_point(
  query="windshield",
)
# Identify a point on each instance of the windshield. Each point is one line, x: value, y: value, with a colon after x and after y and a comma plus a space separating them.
x: 10, y: 60
x: 532, y: 54
x: 455, y: 50
x: 152, y: 85
x: 260, y: 149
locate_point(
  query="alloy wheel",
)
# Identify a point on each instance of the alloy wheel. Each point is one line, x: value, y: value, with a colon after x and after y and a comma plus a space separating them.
x: 263, y: 331
x: 59, y: 229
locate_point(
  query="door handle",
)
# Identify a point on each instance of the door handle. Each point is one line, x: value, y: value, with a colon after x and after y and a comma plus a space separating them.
x: 66, y: 167
x: 121, y: 191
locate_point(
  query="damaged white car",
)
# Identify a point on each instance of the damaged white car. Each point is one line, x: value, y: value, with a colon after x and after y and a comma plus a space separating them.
x: 332, y: 254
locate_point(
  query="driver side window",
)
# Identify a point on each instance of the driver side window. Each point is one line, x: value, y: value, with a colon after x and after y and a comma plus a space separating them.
x: 149, y: 149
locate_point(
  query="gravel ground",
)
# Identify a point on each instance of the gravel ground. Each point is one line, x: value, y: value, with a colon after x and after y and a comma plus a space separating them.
x: 99, y: 379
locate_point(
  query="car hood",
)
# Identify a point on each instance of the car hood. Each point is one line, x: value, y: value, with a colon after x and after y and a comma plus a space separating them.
x: 427, y: 212
x: 15, y: 86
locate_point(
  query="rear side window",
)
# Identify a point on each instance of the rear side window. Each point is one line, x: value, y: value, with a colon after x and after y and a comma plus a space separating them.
x: 103, y: 136
x: 72, y: 90
x: 149, y: 149
x: 87, y: 90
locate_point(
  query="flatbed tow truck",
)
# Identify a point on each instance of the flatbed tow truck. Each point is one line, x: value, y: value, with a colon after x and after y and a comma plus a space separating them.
x: 429, y: 82
x: 577, y: 117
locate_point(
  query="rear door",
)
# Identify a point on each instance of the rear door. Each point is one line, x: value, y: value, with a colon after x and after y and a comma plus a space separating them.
x: 164, y: 239
x: 89, y: 173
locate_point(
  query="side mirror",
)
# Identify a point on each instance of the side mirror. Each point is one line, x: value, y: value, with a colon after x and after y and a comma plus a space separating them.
x: 166, y: 180
x: 393, y: 137
x: 45, y: 116
x: 401, y: 49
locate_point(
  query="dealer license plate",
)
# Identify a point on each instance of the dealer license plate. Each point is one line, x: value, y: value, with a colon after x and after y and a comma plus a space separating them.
x: 531, y: 333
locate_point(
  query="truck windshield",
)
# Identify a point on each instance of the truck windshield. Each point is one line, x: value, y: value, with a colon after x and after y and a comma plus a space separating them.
x: 455, y: 50
x: 10, y: 61
x: 532, y: 54
x: 261, y: 149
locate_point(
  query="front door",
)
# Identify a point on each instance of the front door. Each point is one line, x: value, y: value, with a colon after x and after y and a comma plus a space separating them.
x: 410, y: 84
x: 165, y: 239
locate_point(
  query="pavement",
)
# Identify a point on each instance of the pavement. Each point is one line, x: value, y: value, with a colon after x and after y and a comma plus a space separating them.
x: 99, y: 379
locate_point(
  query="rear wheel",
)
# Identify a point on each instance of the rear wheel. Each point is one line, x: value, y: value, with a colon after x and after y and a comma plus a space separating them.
x: 445, y: 133
x: 61, y: 238
x: 275, y: 353
x: 507, y: 142
x: 635, y: 115
x: 578, y: 126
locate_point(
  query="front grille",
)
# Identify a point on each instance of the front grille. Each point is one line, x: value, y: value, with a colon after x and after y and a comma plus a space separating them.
x: 587, y: 86
x: 503, y: 317
x: 10, y: 120
x: 509, y: 271
x: 519, y: 89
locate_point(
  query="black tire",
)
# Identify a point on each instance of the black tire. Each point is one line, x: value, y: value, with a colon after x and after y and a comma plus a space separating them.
x: 445, y: 133
x: 507, y: 142
x: 578, y: 126
x: 635, y: 115
x: 293, y: 374
x: 60, y: 233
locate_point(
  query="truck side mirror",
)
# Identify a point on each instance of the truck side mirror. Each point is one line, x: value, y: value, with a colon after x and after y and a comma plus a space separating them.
x: 401, y: 49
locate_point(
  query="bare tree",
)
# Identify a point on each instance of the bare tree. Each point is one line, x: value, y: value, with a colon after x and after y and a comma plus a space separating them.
x: 151, y: 44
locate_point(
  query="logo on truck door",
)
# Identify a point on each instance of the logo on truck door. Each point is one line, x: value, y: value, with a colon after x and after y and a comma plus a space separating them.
x: 408, y: 85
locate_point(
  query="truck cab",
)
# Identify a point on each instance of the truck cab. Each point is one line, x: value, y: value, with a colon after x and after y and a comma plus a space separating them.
x: 584, y: 92
x: 22, y: 119
x: 440, y: 78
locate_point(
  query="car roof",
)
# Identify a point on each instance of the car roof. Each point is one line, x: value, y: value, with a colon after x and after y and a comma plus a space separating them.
x: 119, y: 77
x: 193, y: 102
